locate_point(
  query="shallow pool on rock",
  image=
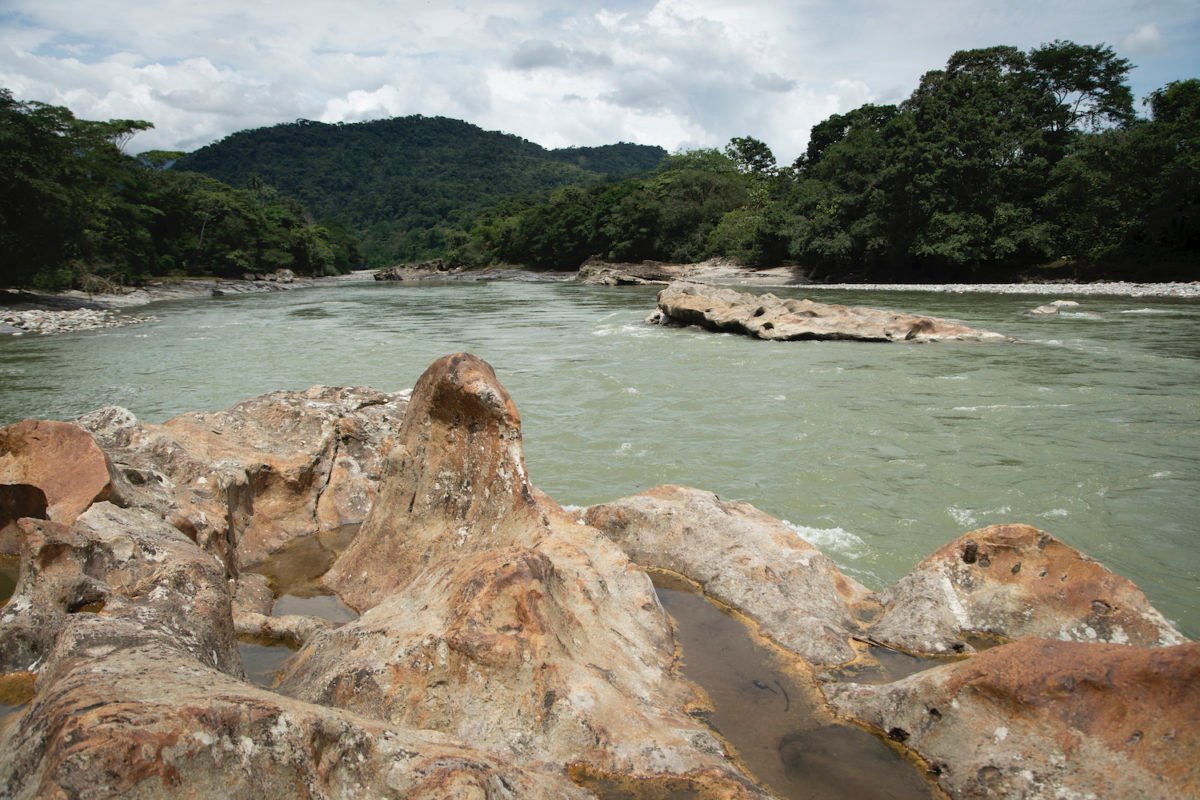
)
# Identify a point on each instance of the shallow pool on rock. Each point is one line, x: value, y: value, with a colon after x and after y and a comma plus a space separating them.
x: 767, y: 710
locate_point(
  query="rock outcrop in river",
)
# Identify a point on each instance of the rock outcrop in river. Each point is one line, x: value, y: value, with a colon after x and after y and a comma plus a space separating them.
x: 508, y: 649
x: 768, y: 317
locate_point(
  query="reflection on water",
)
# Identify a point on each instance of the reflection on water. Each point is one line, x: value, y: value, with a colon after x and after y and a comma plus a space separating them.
x: 10, y: 572
x: 263, y: 661
x: 769, y: 716
x: 296, y: 568
x: 325, y: 606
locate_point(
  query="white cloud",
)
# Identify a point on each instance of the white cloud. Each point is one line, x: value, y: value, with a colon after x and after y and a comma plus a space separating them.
x: 1145, y: 40
x: 677, y: 73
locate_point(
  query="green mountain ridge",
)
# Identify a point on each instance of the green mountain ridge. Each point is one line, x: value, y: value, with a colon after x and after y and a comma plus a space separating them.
x: 407, y: 185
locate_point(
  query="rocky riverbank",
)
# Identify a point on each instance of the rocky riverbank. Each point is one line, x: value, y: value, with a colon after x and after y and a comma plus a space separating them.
x: 506, y: 648
x: 64, y: 312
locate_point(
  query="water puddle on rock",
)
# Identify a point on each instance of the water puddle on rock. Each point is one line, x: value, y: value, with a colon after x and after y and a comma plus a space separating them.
x: 262, y: 660
x: 16, y: 690
x: 294, y: 573
x: 10, y: 572
x: 769, y: 714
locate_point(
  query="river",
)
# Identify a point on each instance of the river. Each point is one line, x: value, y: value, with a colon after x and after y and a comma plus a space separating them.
x: 1087, y: 426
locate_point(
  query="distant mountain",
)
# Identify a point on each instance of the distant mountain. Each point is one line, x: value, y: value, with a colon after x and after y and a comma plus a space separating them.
x: 407, y: 185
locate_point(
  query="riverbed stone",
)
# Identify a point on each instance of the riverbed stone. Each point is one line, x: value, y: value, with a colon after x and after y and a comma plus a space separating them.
x: 1010, y: 581
x: 766, y: 316
x: 493, y: 616
x: 246, y: 481
x: 61, y: 460
x: 744, y: 559
x: 1047, y: 719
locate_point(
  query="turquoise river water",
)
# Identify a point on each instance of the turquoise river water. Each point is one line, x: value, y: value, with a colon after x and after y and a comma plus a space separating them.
x: 1087, y: 426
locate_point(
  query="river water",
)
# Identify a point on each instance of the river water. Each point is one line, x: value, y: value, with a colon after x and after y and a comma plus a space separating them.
x: 1087, y: 426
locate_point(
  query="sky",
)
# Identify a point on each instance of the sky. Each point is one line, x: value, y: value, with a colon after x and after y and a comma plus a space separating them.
x: 680, y: 74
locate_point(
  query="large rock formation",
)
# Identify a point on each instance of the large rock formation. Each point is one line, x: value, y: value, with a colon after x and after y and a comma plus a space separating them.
x: 1010, y: 581
x: 744, y: 559
x: 246, y: 481
x: 139, y: 691
x: 1041, y: 719
x: 493, y: 616
x: 769, y: 317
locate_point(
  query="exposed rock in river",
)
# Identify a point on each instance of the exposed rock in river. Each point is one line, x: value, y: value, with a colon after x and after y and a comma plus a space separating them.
x: 1043, y: 719
x: 499, y: 619
x: 715, y: 270
x: 1010, y: 581
x: 769, y: 317
x: 744, y: 559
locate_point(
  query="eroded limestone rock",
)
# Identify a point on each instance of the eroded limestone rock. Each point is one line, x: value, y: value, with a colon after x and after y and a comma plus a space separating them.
x: 492, y: 616
x: 138, y: 691
x: 766, y: 316
x: 744, y: 559
x: 1039, y: 718
x: 1011, y: 581
x: 246, y: 481
x: 61, y: 460
x: 127, y: 565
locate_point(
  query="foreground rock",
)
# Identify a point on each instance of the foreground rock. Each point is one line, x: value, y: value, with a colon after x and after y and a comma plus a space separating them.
x: 769, y: 317
x: 139, y: 691
x: 1038, y: 719
x: 1010, y: 581
x: 744, y: 559
x: 500, y: 620
x: 246, y: 481
x: 49, y: 469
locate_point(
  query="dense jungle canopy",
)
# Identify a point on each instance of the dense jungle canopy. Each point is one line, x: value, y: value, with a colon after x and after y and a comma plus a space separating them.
x: 1003, y: 164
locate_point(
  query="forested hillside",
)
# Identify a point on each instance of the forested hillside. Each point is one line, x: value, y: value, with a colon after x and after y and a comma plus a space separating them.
x: 407, y: 185
x: 77, y: 212
x: 1001, y: 165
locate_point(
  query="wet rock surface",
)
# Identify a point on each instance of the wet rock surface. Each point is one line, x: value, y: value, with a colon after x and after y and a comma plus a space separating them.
x: 768, y: 317
x: 744, y: 559
x: 1010, y: 581
x: 246, y: 481
x: 1041, y: 718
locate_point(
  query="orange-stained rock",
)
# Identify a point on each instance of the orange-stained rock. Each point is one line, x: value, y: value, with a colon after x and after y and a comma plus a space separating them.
x: 1041, y: 718
x: 1012, y: 581
x: 455, y: 483
x: 744, y: 559
x: 60, y: 459
x: 246, y: 481
x: 492, y: 616
x: 118, y: 563
x: 138, y: 690
x: 766, y: 316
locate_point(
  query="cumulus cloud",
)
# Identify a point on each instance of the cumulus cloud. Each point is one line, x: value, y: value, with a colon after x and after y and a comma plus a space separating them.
x: 1144, y: 40
x: 678, y: 73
